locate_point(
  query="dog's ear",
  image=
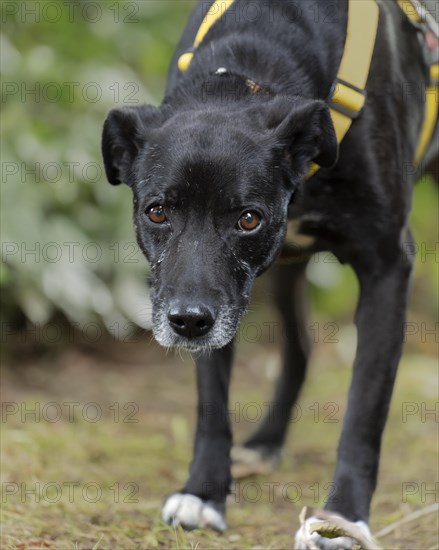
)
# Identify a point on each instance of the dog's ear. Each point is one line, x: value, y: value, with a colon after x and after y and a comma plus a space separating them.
x: 304, y: 129
x: 125, y: 132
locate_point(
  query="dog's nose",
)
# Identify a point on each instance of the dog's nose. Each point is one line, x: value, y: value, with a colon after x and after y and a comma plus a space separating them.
x: 191, y: 321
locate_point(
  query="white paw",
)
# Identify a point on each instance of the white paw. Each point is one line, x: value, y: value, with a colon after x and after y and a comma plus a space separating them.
x: 191, y: 512
x: 305, y: 540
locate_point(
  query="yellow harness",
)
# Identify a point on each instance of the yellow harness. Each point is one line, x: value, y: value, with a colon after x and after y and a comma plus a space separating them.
x: 418, y: 15
x: 348, y: 93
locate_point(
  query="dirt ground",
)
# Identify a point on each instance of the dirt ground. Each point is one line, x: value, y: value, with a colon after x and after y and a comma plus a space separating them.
x: 94, y: 436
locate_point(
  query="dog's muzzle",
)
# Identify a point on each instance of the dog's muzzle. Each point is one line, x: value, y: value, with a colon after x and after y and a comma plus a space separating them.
x: 195, y: 327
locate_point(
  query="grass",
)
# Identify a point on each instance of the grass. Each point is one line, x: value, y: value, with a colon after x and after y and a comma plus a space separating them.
x: 79, y: 483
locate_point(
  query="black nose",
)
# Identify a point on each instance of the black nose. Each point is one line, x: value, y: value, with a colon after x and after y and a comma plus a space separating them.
x: 191, y: 321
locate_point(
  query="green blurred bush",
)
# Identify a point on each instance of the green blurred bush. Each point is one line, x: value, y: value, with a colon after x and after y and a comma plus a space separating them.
x: 67, y: 237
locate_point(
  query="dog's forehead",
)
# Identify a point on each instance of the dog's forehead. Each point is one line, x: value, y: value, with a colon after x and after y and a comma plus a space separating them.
x: 208, y: 133
x: 206, y: 155
x: 211, y: 183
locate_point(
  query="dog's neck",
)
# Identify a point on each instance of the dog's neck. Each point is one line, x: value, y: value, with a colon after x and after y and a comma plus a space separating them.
x: 236, y: 85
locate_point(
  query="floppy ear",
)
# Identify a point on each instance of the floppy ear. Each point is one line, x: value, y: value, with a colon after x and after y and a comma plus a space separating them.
x: 305, y: 131
x: 125, y: 132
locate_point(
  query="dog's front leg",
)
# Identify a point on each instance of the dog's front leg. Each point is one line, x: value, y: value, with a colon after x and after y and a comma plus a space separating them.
x: 201, y: 503
x: 261, y: 452
x: 380, y: 323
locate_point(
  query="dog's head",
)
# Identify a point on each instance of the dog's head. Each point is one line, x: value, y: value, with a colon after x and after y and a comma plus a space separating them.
x: 211, y: 194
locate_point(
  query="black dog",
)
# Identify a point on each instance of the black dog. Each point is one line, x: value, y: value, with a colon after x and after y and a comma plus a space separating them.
x: 219, y: 173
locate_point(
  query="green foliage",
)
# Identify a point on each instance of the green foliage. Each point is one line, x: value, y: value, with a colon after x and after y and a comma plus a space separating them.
x: 64, y: 66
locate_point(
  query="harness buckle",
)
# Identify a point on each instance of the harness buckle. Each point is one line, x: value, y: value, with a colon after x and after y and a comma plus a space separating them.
x: 346, y: 98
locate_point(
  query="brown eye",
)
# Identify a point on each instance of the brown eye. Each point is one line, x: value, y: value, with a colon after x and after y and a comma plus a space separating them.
x: 249, y: 221
x: 156, y: 214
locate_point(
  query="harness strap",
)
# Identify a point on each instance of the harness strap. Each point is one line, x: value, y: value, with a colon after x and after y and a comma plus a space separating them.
x: 348, y: 94
x: 430, y: 115
x: 215, y: 11
x: 424, y: 22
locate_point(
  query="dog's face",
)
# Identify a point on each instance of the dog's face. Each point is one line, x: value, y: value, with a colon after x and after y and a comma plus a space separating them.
x: 211, y: 195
